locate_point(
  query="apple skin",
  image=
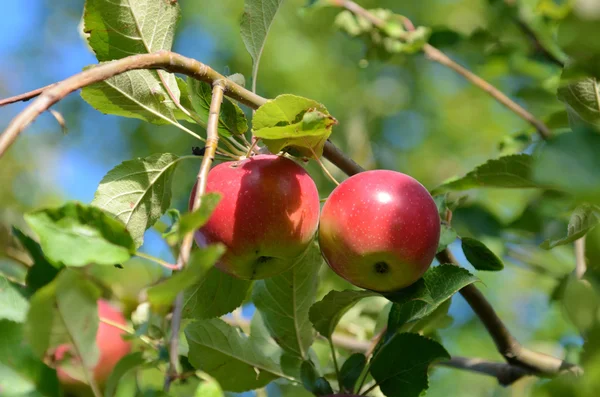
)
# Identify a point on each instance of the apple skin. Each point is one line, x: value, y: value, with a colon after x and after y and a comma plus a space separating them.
x: 110, y: 344
x: 267, y: 217
x: 379, y: 230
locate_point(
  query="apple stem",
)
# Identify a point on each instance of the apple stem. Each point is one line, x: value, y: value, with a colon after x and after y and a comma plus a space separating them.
x: 325, y: 170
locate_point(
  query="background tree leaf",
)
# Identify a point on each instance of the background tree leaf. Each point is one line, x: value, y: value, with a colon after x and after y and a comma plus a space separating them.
x: 400, y: 367
x: 42, y: 271
x: 512, y: 171
x: 138, y: 192
x: 221, y: 351
x: 214, y: 295
x: 13, y: 305
x: 162, y: 295
x: 293, y: 122
x: 284, y: 302
x: 126, y: 365
x: 77, y: 235
x: 583, y: 219
x: 480, y: 256
x: 326, y: 313
x: 254, y: 27
x: 21, y: 372
x: 582, y: 97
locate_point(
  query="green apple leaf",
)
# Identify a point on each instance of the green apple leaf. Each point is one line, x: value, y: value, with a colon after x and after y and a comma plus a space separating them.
x: 570, y: 163
x: 214, y: 295
x: 581, y: 303
x: 326, y: 313
x: 209, y: 388
x: 42, y: 271
x: 254, y: 27
x: 13, y: 305
x: 480, y: 256
x: 65, y: 312
x: 162, y: 295
x: 77, y: 235
x: 21, y: 372
x: 311, y: 380
x: 126, y: 365
x: 441, y: 282
x: 284, y: 302
x: 447, y: 237
x: 351, y: 371
x: 138, y: 192
x: 583, y: 98
x: 512, y: 171
x: 232, y: 120
x: 294, y: 123
x: 231, y: 358
x: 195, y: 220
x: 401, y: 365
x: 583, y: 219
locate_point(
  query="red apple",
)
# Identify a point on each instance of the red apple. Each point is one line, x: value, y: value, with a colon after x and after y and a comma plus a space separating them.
x: 379, y: 230
x: 267, y: 217
x: 112, y: 348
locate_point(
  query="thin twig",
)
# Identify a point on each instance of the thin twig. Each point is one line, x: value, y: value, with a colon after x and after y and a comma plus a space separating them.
x: 25, y: 96
x: 212, y: 141
x: 159, y: 261
x: 580, y: 265
x: 438, y: 56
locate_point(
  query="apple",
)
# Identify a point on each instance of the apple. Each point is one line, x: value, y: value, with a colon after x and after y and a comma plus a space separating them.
x: 379, y: 230
x: 112, y: 348
x: 267, y: 217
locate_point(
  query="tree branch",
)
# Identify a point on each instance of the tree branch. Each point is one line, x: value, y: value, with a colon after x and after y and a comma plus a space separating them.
x: 25, y: 96
x: 438, y: 56
x: 212, y: 141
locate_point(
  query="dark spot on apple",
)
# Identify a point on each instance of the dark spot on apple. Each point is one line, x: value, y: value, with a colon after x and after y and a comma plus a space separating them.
x: 381, y: 268
x: 263, y: 259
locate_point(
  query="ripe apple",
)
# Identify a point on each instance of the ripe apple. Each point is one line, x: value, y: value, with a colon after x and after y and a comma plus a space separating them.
x: 110, y: 344
x: 379, y: 230
x: 267, y: 217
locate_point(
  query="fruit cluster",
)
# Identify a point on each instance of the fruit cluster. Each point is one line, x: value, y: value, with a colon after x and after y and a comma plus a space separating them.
x: 378, y: 229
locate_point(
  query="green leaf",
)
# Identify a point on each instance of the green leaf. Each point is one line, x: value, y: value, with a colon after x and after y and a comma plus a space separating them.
x: 195, y: 220
x: 400, y: 367
x: 284, y: 302
x: 123, y: 367
x: 232, y: 120
x: 570, y: 163
x: 441, y: 282
x: 77, y: 235
x: 351, y: 371
x: 311, y: 380
x: 231, y: 358
x: 65, y: 312
x: 293, y: 122
x: 138, y: 192
x: 447, y: 237
x: 254, y: 27
x: 326, y: 313
x: 13, y: 305
x: 42, y: 271
x: 161, y: 296
x: 582, y: 97
x: 209, y: 388
x: 512, y: 171
x: 21, y: 372
x: 480, y: 256
x: 215, y: 295
x: 583, y: 219
x: 581, y: 303
x: 120, y: 28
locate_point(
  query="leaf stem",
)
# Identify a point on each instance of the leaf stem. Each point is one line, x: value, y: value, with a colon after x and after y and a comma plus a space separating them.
x: 335, y: 362
x: 159, y: 261
x: 580, y: 265
x: 130, y: 331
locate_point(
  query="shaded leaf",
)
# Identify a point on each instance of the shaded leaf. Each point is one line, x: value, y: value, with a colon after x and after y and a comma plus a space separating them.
x: 284, y: 302
x: 583, y: 98
x: 326, y: 313
x: 13, y: 305
x: 480, y: 256
x: 232, y: 120
x: 42, y: 271
x: 138, y: 192
x: 351, y: 370
x: 216, y: 294
x: 77, y: 235
x: 581, y: 303
x: 441, y: 282
x: 583, y: 219
x: 292, y: 122
x: 512, y: 171
x: 127, y: 364
x: 21, y: 372
x: 447, y: 237
x: 400, y: 367
x: 162, y: 295
x: 311, y: 380
x: 221, y: 351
